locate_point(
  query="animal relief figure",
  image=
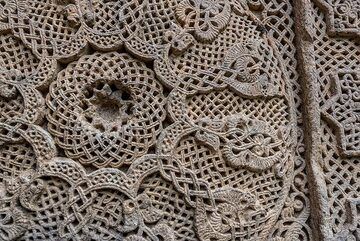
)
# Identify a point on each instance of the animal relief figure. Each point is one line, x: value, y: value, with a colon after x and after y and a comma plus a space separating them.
x: 23, y: 146
x: 232, y: 124
x: 228, y: 155
x: 74, y: 206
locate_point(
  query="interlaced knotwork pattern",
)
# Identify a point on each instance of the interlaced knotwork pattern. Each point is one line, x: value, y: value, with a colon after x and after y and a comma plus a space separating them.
x: 106, y: 109
x: 151, y: 120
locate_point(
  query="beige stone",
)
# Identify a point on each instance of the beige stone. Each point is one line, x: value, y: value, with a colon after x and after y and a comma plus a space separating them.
x: 150, y: 120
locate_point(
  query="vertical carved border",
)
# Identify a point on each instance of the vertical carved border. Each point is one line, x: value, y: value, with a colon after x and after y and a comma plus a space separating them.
x: 306, y: 59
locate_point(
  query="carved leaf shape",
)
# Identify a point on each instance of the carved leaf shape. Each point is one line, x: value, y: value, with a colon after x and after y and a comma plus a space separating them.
x: 209, y: 139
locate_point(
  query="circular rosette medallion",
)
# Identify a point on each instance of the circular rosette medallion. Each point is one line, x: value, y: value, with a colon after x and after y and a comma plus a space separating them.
x: 106, y: 109
x: 62, y: 28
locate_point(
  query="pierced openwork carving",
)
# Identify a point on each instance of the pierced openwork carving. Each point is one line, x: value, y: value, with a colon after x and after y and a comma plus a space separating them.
x: 106, y: 109
x: 61, y: 29
x: 342, y: 110
x: 222, y: 144
x: 23, y: 147
x: 242, y: 140
x: 329, y: 59
x: 22, y: 75
x: 342, y: 17
x: 205, y: 18
x: 150, y: 120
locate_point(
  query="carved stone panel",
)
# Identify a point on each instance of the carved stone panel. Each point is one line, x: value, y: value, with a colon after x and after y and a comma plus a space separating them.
x: 151, y: 120
x: 330, y: 64
x: 342, y: 16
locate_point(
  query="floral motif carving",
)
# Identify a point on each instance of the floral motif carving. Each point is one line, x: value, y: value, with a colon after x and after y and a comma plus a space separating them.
x: 78, y: 200
x: 252, y: 144
x: 213, y: 140
x: 244, y: 142
x: 206, y: 18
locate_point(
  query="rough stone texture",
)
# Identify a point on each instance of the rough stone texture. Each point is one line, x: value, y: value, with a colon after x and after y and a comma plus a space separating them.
x: 330, y: 61
x: 170, y: 120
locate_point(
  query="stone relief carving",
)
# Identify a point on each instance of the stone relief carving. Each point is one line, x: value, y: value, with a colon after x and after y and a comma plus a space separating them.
x: 330, y: 65
x: 62, y: 29
x: 342, y: 17
x: 342, y: 110
x: 22, y: 75
x: 206, y: 19
x: 179, y: 120
x: 106, y: 109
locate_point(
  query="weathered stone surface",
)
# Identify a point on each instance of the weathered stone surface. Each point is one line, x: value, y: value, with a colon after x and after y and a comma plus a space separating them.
x: 179, y: 120
x: 330, y: 60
